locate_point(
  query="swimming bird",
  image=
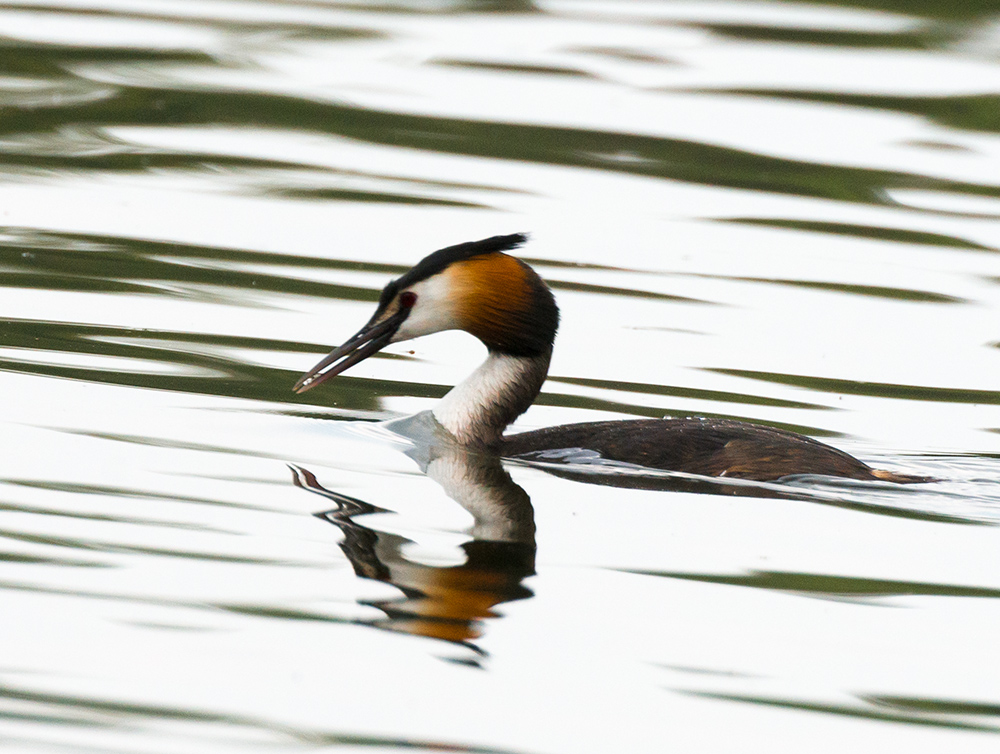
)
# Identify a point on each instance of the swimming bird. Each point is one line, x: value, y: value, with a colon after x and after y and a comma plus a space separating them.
x: 479, y: 288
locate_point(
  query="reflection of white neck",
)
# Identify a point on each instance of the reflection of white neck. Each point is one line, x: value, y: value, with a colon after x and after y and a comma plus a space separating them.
x: 478, y: 409
x: 501, y: 509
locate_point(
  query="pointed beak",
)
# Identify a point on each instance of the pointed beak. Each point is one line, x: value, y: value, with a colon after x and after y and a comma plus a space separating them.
x: 370, y: 339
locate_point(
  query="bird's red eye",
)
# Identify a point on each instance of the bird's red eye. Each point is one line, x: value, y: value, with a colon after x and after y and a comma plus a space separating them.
x: 407, y: 299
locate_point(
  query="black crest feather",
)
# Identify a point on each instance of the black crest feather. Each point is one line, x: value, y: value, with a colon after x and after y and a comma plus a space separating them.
x: 436, y: 261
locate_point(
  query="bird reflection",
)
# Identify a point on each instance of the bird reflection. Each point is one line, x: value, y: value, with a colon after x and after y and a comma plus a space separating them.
x: 444, y: 602
x: 451, y: 602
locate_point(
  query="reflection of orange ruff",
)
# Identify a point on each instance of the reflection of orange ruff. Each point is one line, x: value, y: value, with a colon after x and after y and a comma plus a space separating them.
x: 450, y: 603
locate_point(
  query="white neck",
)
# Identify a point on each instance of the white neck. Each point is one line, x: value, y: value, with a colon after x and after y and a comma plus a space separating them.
x: 478, y: 409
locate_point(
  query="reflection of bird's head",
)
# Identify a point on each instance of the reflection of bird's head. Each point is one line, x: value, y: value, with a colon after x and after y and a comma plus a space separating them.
x: 474, y: 287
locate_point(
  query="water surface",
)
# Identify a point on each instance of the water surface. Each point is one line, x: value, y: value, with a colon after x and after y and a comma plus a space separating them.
x: 779, y: 212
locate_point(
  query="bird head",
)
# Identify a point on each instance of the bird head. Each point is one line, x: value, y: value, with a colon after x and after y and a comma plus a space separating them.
x: 474, y: 287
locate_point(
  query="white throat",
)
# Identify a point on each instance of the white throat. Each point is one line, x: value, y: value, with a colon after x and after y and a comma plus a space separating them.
x: 478, y: 409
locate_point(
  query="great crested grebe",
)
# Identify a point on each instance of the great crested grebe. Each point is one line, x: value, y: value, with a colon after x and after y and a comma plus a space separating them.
x: 478, y: 288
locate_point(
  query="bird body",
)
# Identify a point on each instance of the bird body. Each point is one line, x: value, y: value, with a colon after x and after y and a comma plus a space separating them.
x: 478, y: 288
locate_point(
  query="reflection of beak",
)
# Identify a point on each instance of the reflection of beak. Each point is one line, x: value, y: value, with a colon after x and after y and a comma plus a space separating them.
x: 370, y: 339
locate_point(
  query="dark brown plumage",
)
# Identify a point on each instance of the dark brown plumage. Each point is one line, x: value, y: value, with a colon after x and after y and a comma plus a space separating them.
x: 710, y: 447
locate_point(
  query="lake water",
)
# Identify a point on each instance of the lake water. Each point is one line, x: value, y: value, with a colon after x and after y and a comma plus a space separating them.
x: 780, y: 212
